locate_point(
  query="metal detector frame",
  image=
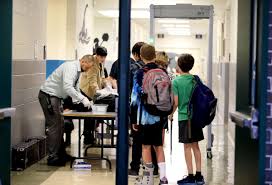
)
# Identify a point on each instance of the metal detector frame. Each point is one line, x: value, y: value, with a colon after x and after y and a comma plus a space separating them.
x: 188, y: 11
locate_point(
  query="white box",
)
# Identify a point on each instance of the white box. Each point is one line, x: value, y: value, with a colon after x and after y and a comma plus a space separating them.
x: 99, y: 108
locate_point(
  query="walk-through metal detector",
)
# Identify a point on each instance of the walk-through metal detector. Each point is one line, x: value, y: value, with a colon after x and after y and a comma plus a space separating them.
x: 188, y: 11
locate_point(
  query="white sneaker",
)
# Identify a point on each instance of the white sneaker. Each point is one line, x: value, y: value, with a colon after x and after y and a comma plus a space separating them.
x: 147, y: 178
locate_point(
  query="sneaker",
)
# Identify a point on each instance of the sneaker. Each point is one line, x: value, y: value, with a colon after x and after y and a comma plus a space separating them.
x: 147, y: 178
x: 199, y: 180
x: 163, y: 181
x: 186, y: 181
x: 144, y: 180
x: 67, y: 157
x: 133, y: 173
x: 55, y: 162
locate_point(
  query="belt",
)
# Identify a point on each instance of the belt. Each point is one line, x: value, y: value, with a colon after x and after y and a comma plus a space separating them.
x: 48, y: 95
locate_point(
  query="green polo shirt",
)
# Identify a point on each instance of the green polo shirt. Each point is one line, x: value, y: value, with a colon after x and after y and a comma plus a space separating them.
x: 182, y: 87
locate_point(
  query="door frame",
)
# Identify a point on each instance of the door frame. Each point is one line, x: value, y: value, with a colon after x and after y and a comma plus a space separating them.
x: 5, y: 82
x: 189, y: 11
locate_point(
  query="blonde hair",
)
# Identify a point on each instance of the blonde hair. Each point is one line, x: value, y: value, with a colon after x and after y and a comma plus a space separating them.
x: 88, y: 58
x: 162, y: 59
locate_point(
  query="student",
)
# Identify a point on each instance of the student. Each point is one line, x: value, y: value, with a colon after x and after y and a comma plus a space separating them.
x: 90, y: 82
x: 135, y: 64
x: 114, y: 73
x: 162, y: 60
x: 149, y: 126
x: 93, y: 80
x: 188, y: 134
x: 136, y: 135
x: 61, y: 83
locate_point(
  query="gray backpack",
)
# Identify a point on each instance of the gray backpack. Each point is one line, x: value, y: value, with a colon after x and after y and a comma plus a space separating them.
x: 157, y: 97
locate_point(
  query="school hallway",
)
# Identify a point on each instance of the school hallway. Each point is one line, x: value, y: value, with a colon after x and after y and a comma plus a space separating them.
x: 230, y: 41
x: 216, y: 171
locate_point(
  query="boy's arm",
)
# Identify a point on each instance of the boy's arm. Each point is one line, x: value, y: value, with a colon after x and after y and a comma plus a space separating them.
x: 174, y: 107
x: 133, y: 103
x: 135, y: 99
x: 113, y: 82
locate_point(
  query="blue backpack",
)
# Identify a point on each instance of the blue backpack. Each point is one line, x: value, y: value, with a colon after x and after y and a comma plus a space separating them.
x: 202, y: 104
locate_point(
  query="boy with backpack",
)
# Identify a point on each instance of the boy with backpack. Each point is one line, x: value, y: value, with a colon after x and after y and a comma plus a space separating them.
x: 135, y: 64
x: 189, y: 133
x: 150, y: 101
x: 136, y: 135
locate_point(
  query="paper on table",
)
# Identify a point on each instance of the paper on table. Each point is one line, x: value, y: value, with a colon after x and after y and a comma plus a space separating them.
x: 106, y: 92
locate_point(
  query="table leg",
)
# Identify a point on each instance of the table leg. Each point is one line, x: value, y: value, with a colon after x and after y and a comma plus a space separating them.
x: 102, y: 140
x: 112, y: 132
x: 102, y: 146
x: 79, y: 137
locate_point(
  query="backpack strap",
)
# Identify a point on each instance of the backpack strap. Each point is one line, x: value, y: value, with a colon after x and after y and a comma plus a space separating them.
x: 197, y: 79
x: 195, y: 82
x: 138, y: 64
x: 189, y: 108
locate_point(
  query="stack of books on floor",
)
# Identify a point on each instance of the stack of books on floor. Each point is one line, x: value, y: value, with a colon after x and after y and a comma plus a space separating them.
x: 82, y: 165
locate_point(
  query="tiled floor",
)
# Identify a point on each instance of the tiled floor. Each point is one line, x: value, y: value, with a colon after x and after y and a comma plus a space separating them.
x: 217, y: 171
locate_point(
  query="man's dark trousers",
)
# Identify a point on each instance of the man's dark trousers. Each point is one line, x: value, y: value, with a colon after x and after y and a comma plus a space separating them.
x: 54, y: 124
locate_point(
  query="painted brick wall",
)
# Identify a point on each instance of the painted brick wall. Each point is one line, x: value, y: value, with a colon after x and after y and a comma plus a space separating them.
x: 268, y: 157
x: 28, y: 67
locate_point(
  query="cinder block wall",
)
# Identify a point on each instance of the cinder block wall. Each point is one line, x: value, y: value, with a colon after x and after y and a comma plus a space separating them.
x: 28, y: 67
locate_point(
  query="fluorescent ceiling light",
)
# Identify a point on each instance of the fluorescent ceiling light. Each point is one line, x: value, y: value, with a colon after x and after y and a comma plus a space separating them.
x: 174, y: 21
x: 136, y: 14
x: 109, y: 13
x: 176, y: 33
x: 182, y: 26
x: 180, y: 32
x: 175, y: 25
x: 168, y: 25
x: 178, y: 29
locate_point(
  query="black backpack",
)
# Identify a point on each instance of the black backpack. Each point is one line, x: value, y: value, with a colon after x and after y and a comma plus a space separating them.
x: 202, y: 104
